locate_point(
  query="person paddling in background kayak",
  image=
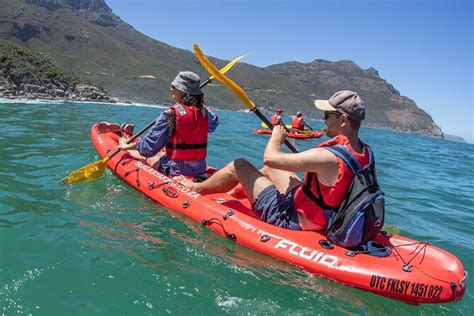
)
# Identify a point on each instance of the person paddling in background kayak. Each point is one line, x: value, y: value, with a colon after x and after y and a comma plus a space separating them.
x: 183, y: 129
x: 276, y: 117
x: 298, y: 124
x: 277, y: 194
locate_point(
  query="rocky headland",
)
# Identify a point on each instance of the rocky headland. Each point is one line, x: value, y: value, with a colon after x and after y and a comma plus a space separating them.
x: 25, y: 74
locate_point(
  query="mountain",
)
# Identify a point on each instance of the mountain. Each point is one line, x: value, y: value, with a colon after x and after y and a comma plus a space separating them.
x: 386, y: 108
x: 88, y: 39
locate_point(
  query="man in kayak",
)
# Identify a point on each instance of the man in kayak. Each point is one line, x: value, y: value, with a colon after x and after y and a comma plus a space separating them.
x: 298, y: 124
x: 183, y: 129
x: 276, y: 117
x: 277, y: 194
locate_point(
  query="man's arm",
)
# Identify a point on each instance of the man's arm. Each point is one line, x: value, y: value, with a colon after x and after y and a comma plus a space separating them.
x: 316, y: 160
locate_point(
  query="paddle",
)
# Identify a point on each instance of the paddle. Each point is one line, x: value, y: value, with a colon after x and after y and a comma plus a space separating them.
x: 310, y: 128
x: 95, y: 170
x: 266, y: 126
x: 206, y: 63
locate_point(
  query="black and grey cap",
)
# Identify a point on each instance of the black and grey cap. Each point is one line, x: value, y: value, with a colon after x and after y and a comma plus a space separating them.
x: 346, y: 102
x: 187, y: 82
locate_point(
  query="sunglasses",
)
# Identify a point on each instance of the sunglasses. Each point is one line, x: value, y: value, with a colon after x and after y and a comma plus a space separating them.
x: 327, y: 113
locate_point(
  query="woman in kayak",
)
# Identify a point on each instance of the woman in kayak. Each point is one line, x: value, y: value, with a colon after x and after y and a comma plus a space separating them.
x: 183, y: 129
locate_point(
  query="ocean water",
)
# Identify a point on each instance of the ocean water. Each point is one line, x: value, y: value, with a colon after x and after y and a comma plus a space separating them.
x: 103, y: 248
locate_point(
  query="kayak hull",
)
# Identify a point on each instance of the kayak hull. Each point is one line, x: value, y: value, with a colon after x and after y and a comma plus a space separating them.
x: 293, y: 134
x: 414, y: 272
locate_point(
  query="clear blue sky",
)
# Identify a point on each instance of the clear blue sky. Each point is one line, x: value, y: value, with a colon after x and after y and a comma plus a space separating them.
x: 422, y: 47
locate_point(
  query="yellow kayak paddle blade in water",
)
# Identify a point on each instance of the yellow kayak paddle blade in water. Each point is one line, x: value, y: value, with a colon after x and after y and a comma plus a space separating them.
x: 90, y: 172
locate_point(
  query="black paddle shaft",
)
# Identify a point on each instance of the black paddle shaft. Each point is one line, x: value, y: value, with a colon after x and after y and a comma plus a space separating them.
x: 266, y: 121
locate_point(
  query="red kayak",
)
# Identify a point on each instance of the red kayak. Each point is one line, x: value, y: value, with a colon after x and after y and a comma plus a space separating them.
x: 292, y: 134
x: 396, y: 267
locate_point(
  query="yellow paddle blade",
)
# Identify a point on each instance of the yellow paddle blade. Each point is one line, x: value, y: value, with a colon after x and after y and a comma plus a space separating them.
x: 229, y: 65
x: 266, y: 126
x: 206, y: 63
x: 90, y: 172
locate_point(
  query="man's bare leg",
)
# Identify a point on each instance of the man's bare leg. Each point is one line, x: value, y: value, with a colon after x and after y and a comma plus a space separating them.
x: 238, y: 171
x: 283, y: 180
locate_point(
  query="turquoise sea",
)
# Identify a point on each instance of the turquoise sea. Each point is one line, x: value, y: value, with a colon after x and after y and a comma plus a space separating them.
x: 103, y: 248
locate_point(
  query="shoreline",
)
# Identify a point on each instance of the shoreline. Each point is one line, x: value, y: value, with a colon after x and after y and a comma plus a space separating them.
x: 60, y: 100
x: 131, y: 103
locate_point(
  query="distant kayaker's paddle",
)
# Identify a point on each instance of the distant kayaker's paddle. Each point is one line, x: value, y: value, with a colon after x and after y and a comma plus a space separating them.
x: 95, y: 170
x: 324, y: 130
x: 266, y: 126
x: 206, y: 63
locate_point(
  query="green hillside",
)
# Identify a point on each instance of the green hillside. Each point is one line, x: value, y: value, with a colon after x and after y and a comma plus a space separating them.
x: 27, y: 74
x: 21, y: 66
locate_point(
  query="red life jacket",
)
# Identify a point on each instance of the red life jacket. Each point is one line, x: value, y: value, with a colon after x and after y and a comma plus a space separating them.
x: 189, y: 140
x: 273, y: 120
x: 332, y: 195
x: 297, y: 123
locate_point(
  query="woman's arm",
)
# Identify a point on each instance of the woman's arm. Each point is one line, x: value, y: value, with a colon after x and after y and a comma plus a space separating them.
x: 155, y: 139
x: 213, y: 120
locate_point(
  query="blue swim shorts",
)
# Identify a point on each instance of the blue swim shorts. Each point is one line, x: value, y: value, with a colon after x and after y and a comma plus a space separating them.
x: 276, y: 208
